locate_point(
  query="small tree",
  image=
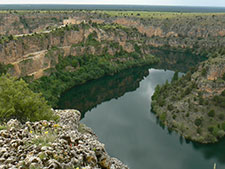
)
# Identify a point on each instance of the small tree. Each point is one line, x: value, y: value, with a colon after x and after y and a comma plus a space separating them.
x: 18, y: 101
x: 223, y: 77
x: 175, y: 76
x: 211, y: 113
x: 11, y: 37
x: 3, y: 68
x: 198, y: 121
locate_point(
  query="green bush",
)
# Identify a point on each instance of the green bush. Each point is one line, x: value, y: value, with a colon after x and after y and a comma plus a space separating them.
x: 220, y: 100
x: 170, y: 107
x: 204, y: 72
x: 215, y: 131
x: 211, y: 113
x: 175, y: 76
x: 223, y: 76
x: 221, y: 116
x: 210, y: 129
x: 4, y: 68
x: 163, y: 116
x: 201, y: 100
x: 18, y: 101
x: 198, y: 121
x: 223, y: 126
x: 223, y: 93
x: 174, y: 116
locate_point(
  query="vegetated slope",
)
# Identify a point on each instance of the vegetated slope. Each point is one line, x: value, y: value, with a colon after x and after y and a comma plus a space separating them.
x: 35, y: 54
x: 74, y: 54
x: 194, y: 105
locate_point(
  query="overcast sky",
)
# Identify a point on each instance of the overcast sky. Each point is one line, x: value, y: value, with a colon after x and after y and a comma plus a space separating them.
x: 219, y: 3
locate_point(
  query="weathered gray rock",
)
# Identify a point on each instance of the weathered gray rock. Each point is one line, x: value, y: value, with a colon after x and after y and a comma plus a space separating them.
x: 32, y: 159
x: 14, y: 123
x: 47, y: 144
x: 69, y: 118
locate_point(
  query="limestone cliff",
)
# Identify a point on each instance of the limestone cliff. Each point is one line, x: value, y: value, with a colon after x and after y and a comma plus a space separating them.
x: 183, y: 30
x: 33, y: 55
x: 198, y: 33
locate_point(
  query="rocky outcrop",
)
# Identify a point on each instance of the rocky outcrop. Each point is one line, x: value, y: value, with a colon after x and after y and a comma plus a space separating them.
x: 153, y: 24
x: 194, y: 105
x: 44, y: 144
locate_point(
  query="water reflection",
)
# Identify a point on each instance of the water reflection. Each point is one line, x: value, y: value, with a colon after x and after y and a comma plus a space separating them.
x: 212, y: 150
x: 176, y: 61
x: 89, y: 95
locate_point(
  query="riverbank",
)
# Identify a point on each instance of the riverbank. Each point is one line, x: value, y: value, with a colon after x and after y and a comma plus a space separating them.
x: 194, y: 104
x: 66, y: 144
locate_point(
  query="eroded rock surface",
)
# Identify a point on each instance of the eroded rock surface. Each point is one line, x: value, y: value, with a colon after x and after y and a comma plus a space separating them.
x: 46, y: 144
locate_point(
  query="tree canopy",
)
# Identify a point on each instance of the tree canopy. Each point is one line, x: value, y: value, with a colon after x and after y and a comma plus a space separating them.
x: 18, y: 101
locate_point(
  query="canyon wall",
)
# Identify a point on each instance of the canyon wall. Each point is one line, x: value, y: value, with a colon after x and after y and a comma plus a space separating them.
x: 33, y: 55
x: 92, y: 33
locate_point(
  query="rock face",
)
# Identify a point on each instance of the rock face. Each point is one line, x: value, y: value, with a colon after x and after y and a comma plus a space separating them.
x: 44, y: 144
x: 37, y: 54
x: 29, y: 55
x: 194, y: 105
x: 156, y: 24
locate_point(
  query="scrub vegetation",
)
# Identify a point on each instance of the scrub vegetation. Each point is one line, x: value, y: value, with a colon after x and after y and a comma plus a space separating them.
x: 194, y: 105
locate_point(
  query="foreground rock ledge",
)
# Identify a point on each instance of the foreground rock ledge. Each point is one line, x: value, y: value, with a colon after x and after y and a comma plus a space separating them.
x: 66, y: 144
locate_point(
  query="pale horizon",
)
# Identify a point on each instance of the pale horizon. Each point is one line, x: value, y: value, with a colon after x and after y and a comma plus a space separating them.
x: 191, y: 3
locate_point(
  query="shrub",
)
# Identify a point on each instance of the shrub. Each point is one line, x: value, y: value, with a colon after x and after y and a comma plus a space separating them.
x: 201, y: 100
x: 204, y: 72
x: 198, y: 121
x: 162, y: 116
x: 3, y: 127
x: 211, y: 113
x: 170, y: 107
x: 174, y: 116
x: 223, y: 93
x: 18, y: 101
x: 221, y: 116
x: 223, y: 77
x: 210, y: 129
x: 223, y: 126
x: 175, y: 76
x: 161, y: 102
x: 187, y: 91
x: 220, y: 100
x: 216, y: 131
x: 137, y: 48
x: 199, y: 131
x: 206, y: 102
x: 3, y: 68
